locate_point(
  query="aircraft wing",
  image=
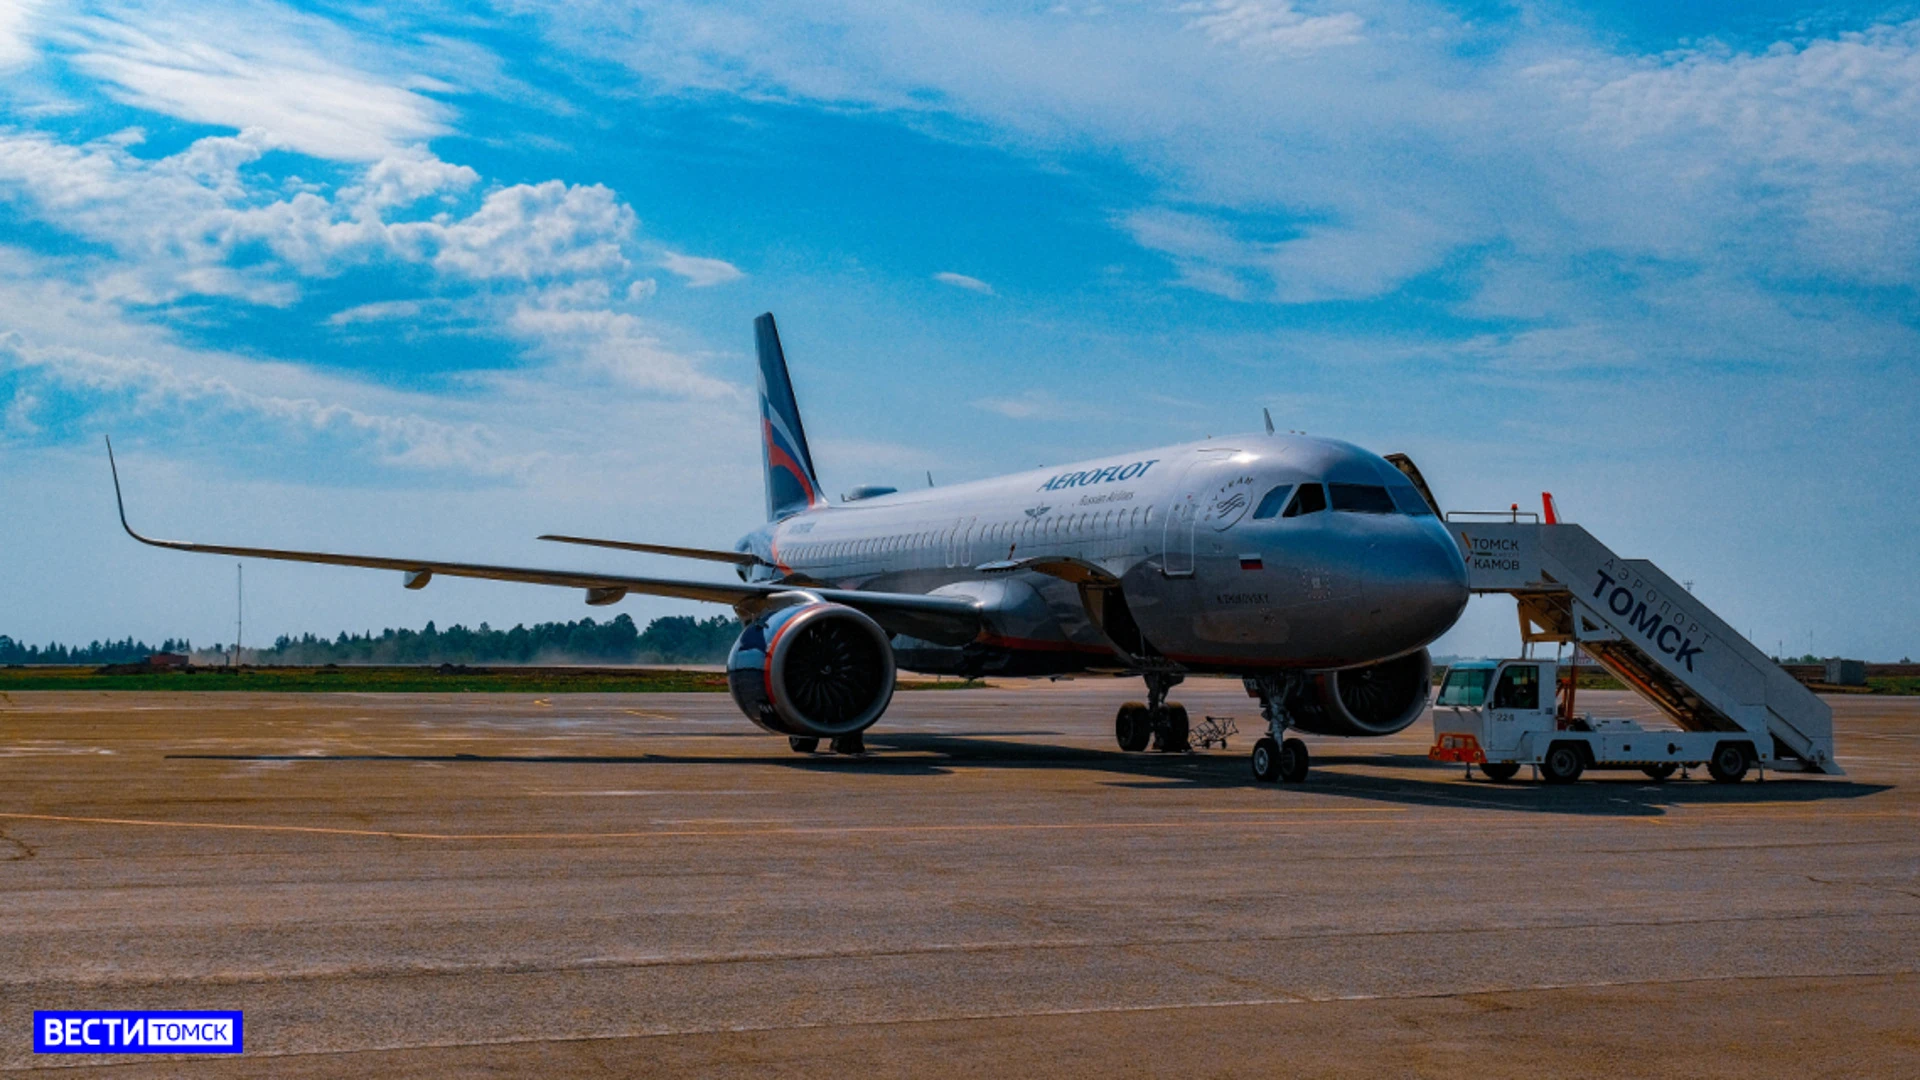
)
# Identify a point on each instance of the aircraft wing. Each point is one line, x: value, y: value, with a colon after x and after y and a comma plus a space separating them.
x: 944, y: 619
x: 737, y: 558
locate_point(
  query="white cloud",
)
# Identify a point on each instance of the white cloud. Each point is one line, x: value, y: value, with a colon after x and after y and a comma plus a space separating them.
x: 962, y: 281
x: 17, y: 31
x: 257, y: 66
x: 1290, y: 171
x: 379, y: 311
x: 148, y: 386
x: 177, y: 222
x: 618, y: 346
x: 700, y: 272
x: 1025, y: 405
x: 1273, y: 25
x: 530, y: 231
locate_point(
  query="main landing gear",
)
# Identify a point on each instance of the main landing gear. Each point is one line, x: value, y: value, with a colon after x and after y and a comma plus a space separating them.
x: 1275, y: 755
x: 1155, y: 721
x: 841, y: 744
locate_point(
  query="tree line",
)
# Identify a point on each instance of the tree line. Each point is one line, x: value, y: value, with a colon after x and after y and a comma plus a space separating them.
x: 125, y: 651
x: 672, y: 639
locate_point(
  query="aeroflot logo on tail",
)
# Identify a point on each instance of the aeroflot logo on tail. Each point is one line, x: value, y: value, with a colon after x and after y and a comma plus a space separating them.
x: 1098, y: 476
x: 91, y: 1032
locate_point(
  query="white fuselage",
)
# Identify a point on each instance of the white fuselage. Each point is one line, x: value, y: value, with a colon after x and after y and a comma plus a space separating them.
x: 1206, y: 577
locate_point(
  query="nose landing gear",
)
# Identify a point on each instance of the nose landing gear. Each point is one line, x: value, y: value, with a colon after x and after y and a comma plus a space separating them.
x: 1155, y: 721
x: 1275, y: 755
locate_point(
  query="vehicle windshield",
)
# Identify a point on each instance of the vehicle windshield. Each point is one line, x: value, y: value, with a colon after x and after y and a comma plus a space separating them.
x: 1466, y: 687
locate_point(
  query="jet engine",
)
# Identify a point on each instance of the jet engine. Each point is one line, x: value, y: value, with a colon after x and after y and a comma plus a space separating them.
x: 813, y: 670
x: 1378, y: 699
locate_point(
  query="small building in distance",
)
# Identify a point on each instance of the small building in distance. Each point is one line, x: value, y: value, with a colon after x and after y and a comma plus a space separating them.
x: 1846, y: 672
x: 164, y: 661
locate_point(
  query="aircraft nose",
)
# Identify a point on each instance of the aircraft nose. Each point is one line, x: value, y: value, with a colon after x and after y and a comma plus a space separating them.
x: 1426, y: 587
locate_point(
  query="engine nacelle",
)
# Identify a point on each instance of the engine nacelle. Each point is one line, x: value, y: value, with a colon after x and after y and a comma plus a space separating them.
x: 814, y: 670
x: 1378, y: 699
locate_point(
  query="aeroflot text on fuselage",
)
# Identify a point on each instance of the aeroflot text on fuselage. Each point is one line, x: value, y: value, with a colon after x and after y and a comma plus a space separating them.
x: 1099, y: 476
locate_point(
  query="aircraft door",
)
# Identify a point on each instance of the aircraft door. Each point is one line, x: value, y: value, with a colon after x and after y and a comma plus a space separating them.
x: 1183, y: 512
x: 1177, y: 536
x: 1513, y: 708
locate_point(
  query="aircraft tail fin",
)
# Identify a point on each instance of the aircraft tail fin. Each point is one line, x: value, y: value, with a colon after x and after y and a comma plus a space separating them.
x: 792, y: 484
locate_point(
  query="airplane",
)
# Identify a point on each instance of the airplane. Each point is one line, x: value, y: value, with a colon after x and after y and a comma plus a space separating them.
x: 1316, y: 571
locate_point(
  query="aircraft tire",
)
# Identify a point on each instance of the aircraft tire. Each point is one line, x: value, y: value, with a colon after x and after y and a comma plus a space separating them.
x: 1131, y: 728
x: 1172, y: 738
x: 1294, y: 760
x: 849, y: 744
x: 1728, y: 763
x: 1266, y: 760
x: 1500, y: 771
x: 1660, y: 771
x: 802, y: 745
x: 1563, y: 764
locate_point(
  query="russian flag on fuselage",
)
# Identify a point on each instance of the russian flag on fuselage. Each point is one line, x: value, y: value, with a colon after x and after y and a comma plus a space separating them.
x: 792, y: 484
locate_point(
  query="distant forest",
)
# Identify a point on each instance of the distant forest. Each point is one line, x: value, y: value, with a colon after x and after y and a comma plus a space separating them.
x: 98, y: 652
x: 674, y: 639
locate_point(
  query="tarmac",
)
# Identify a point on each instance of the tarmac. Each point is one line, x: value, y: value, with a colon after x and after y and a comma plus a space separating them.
x: 437, y: 885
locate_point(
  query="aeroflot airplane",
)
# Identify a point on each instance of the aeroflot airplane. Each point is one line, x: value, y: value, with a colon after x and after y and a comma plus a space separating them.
x: 1316, y: 571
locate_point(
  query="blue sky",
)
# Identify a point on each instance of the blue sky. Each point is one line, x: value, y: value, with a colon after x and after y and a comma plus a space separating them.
x: 440, y: 279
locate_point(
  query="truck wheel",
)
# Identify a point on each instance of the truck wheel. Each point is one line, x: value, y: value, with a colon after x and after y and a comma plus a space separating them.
x: 1660, y: 771
x: 1293, y: 761
x: 1563, y: 764
x: 1500, y: 771
x: 1131, y: 729
x: 1266, y: 760
x: 1728, y: 763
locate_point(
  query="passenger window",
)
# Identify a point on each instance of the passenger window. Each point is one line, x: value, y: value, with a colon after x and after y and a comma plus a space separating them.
x: 1311, y: 500
x: 1519, y: 688
x: 1360, y: 498
x: 1270, y: 504
x: 1409, y: 501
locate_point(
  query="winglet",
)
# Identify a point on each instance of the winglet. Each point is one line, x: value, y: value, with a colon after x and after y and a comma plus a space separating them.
x: 121, y: 505
x: 1264, y: 412
x: 119, y: 502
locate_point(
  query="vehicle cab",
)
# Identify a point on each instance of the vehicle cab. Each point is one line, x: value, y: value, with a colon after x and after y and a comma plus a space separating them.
x: 1489, y: 710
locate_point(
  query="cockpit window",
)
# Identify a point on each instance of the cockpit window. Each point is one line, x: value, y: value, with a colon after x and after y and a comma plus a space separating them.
x: 1311, y: 500
x: 1270, y: 505
x: 1361, y: 499
x: 1409, y: 501
x: 1466, y: 687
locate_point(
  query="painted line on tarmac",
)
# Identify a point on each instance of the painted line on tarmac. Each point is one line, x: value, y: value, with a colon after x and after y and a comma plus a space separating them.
x: 923, y: 951
x: 809, y: 830
x: 987, y: 1015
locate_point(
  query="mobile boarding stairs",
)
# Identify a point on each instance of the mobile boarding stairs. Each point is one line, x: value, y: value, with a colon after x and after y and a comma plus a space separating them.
x: 1649, y: 632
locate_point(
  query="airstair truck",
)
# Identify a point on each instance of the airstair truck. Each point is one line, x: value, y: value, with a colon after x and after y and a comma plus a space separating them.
x: 1503, y: 714
x: 1646, y: 630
